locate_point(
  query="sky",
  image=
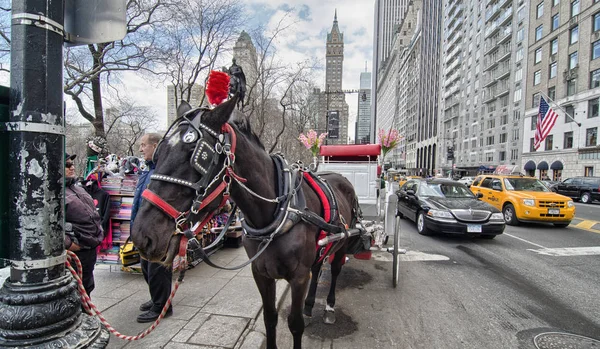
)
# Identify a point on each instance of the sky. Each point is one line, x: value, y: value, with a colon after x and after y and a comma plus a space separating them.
x: 307, y: 38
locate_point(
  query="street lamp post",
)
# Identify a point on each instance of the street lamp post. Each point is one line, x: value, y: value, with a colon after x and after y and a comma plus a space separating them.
x: 39, y: 303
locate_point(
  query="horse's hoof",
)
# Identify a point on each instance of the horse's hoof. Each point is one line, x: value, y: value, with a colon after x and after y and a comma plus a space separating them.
x: 329, y: 317
x: 307, y: 320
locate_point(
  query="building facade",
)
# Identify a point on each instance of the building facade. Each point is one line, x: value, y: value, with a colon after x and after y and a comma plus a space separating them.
x: 564, y: 68
x: 363, y: 119
x: 173, y: 100
x: 483, y: 89
x: 387, y: 18
x: 336, y: 106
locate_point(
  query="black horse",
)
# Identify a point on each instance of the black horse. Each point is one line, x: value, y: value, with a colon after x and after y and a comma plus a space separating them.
x: 187, y: 175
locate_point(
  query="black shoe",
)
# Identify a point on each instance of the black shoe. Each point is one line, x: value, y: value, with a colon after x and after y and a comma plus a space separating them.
x: 151, y: 316
x: 146, y: 306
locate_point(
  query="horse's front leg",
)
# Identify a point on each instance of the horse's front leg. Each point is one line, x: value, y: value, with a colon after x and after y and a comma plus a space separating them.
x: 309, y: 303
x: 336, y: 268
x: 266, y: 287
x: 298, y: 285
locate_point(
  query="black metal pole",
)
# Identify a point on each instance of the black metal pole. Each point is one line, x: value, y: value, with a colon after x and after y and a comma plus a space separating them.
x: 39, y: 303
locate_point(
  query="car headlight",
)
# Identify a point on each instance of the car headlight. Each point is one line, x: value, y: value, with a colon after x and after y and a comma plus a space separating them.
x: 570, y: 203
x: 497, y: 216
x: 440, y: 214
x: 528, y: 202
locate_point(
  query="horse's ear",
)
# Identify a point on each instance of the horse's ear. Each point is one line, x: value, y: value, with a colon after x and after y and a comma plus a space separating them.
x: 222, y: 113
x: 183, y: 108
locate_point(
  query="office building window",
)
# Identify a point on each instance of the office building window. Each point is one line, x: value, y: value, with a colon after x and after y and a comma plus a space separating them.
x: 571, y: 87
x: 533, y: 122
x: 514, y: 154
x: 531, y: 145
x: 519, y: 55
x: 570, y: 114
x: 568, y: 140
x: 555, y: 2
x: 555, y: 22
x: 503, y: 137
x: 489, y: 157
x: 535, y: 101
x: 595, y: 78
x: 574, y: 35
x: 537, y: 77
x: 593, y: 108
x: 549, y: 142
x: 552, y: 71
x: 574, y: 8
x: 539, y: 32
x: 552, y: 92
x: 596, y: 49
x: 554, y: 46
x: 502, y: 156
x: 540, y: 9
x: 588, y: 171
x: 490, y: 140
x: 519, y: 74
x: 573, y: 60
x: 504, y: 119
x: 538, y: 55
x: 517, y: 96
x: 520, y: 35
x: 591, y: 137
x: 597, y: 22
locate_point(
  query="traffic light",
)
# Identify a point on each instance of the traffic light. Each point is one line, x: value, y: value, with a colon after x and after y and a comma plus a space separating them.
x: 450, y: 155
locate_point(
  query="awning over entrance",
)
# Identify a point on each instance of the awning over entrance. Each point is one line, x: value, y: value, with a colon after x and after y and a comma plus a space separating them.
x: 556, y: 165
x: 542, y: 165
x: 529, y: 166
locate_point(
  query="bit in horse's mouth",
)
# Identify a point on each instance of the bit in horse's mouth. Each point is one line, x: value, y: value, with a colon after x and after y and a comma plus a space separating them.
x: 172, y: 250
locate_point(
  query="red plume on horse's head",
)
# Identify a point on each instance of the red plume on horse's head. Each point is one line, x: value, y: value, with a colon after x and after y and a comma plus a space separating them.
x: 217, y: 87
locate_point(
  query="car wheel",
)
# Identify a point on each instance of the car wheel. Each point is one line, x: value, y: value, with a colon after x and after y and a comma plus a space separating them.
x: 421, y: 228
x: 489, y: 236
x: 586, y: 198
x: 510, y: 216
x: 561, y: 225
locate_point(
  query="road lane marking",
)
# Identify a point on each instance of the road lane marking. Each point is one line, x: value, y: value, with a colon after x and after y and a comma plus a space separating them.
x: 409, y: 256
x: 592, y: 226
x: 527, y: 241
x: 568, y: 251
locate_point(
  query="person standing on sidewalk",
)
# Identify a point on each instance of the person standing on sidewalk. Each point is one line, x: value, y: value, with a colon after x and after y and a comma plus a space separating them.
x: 157, y: 276
x: 83, y: 227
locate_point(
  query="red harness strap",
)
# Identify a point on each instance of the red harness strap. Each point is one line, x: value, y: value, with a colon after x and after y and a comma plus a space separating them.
x: 162, y: 204
x: 326, y: 214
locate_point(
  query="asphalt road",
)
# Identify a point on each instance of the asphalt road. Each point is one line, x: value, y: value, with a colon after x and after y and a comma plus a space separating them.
x: 460, y: 292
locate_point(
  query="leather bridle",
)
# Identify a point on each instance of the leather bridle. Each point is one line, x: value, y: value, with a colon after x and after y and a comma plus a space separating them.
x: 211, y: 172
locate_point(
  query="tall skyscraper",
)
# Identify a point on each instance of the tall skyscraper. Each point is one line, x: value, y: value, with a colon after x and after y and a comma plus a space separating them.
x: 388, y: 16
x: 336, y: 106
x: 563, y: 67
x: 363, y: 119
x: 244, y: 52
x: 482, y: 85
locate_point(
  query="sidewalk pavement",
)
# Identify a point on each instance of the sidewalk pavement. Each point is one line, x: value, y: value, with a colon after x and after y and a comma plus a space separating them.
x: 213, y: 308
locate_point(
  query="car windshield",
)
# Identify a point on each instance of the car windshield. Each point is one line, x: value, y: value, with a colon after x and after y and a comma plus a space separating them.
x: 524, y: 184
x: 446, y: 190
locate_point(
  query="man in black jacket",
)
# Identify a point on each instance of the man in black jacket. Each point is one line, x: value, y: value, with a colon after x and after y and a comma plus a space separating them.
x: 83, y: 230
x: 157, y: 276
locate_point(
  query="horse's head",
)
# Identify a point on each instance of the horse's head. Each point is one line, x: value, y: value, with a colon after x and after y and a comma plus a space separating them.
x: 190, y: 165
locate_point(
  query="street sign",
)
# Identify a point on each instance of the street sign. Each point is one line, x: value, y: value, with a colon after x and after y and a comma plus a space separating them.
x: 94, y: 21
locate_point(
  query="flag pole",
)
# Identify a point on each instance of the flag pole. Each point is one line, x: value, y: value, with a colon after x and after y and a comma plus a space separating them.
x: 561, y: 108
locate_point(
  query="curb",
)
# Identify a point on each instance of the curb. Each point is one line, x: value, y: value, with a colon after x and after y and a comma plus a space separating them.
x: 254, y: 337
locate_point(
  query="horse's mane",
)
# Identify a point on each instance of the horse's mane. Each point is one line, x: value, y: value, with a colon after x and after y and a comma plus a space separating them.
x: 242, y: 124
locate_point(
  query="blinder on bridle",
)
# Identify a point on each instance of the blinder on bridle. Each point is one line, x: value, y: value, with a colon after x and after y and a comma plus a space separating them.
x: 205, y: 157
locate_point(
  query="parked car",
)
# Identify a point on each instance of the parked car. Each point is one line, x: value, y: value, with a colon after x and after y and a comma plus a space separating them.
x: 447, y: 206
x: 585, y: 189
x: 466, y: 181
x: 524, y: 199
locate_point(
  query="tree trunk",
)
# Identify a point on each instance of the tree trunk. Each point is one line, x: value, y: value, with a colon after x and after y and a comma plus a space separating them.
x: 97, y: 92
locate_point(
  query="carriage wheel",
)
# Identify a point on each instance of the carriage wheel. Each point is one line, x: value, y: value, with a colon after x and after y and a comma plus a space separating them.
x: 396, y: 260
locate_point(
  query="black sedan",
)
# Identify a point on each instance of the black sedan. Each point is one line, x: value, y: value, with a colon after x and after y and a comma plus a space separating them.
x: 446, y: 206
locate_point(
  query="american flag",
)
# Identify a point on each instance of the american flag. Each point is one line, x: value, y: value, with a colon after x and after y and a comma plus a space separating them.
x: 545, y: 121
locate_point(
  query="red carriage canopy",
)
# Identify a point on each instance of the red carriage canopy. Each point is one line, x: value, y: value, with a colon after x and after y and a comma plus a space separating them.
x: 351, y: 152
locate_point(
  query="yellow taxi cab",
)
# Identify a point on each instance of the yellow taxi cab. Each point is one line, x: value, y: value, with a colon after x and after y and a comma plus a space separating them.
x: 403, y: 180
x: 524, y: 199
